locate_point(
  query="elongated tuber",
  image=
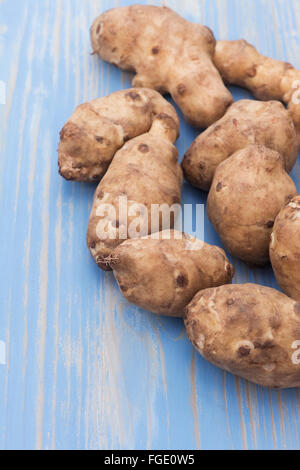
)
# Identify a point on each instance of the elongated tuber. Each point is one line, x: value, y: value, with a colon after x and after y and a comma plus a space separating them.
x: 241, y: 64
x: 168, y: 53
x: 143, y: 175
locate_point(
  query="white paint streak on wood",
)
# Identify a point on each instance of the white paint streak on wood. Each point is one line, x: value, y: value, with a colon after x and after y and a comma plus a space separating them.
x: 24, y: 113
x: 8, y: 363
x: 35, y: 127
x: 85, y: 51
x: 47, y: 38
x: 93, y: 409
x: 15, y: 64
x: 113, y: 389
x: 243, y: 429
x: 68, y: 56
x: 226, y: 405
x: 10, y: 89
x: 163, y: 373
x: 254, y: 425
x: 281, y: 419
x: 153, y: 422
x: 194, y: 401
x: 43, y: 289
x: 58, y: 228
x: 263, y: 411
x: 55, y: 51
x: 58, y: 253
x: 274, y: 434
x: 77, y: 54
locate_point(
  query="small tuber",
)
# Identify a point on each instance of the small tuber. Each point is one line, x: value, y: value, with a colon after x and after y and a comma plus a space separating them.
x: 248, y: 191
x: 248, y: 330
x: 162, y: 274
x: 97, y: 129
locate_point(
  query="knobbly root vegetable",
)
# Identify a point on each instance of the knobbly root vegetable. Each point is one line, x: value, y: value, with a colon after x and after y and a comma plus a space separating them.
x: 168, y: 53
x: 163, y: 274
x: 246, y: 122
x: 285, y: 248
x: 248, y: 330
x: 96, y: 130
x: 248, y: 191
x: 144, y: 173
x: 241, y: 64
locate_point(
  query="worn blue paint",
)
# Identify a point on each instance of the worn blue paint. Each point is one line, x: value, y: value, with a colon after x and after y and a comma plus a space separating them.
x: 84, y: 369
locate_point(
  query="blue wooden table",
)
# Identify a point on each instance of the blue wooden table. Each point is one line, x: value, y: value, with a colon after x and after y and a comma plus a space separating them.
x: 79, y: 367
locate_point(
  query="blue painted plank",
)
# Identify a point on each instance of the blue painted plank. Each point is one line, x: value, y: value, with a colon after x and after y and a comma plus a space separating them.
x: 84, y: 369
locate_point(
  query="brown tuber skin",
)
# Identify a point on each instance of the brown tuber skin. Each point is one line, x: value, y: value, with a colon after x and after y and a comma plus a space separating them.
x: 145, y: 171
x: 248, y: 330
x: 96, y: 130
x: 241, y: 64
x: 162, y: 275
x: 248, y: 191
x: 285, y: 248
x: 168, y: 53
x: 246, y: 122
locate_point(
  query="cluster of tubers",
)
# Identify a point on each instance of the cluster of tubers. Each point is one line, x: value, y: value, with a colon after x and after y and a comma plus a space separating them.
x: 125, y: 142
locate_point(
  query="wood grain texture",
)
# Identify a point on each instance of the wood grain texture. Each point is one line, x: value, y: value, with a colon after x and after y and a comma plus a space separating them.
x: 85, y: 370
